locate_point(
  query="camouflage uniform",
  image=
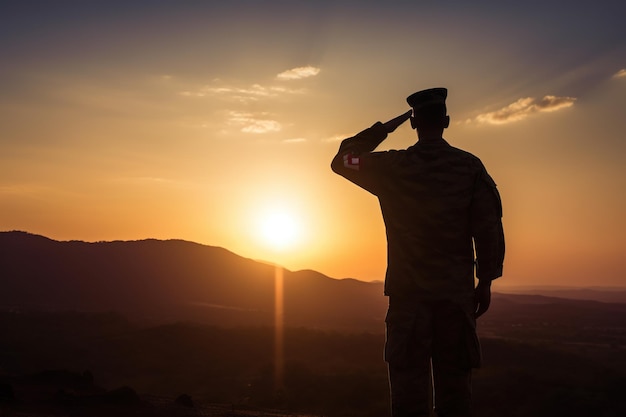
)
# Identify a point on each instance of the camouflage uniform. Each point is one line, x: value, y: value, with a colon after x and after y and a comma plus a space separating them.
x: 438, y: 204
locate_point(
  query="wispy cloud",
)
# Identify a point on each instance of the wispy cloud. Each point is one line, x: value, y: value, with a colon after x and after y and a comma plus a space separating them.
x: 255, y: 91
x: 244, y: 96
x: 294, y: 140
x: 338, y: 137
x: 252, y: 93
x: 251, y: 123
x: 525, y: 107
x: 620, y: 74
x: 298, y: 73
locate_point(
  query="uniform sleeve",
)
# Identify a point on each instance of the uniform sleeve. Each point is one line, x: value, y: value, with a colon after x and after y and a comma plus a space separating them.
x: 487, y: 231
x: 355, y: 161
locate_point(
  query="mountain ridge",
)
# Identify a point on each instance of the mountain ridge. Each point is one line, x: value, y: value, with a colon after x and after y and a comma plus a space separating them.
x: 178, y: 280
x: 174, y: 280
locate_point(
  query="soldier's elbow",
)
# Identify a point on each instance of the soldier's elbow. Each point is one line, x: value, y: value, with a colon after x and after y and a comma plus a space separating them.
x: 337, y: 164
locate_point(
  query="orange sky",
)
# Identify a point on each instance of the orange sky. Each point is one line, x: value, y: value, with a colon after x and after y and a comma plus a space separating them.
x: 179, y: 120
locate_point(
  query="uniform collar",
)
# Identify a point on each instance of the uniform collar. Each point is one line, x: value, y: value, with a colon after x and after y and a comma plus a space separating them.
x: 430, y: 143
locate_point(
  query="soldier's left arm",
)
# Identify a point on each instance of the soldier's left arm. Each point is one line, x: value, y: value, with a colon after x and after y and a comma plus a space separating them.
x: 488, y: 234
x: 487, y: 231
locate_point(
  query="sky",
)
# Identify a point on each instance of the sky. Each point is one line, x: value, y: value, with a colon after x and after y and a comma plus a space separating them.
x: 212, y: 121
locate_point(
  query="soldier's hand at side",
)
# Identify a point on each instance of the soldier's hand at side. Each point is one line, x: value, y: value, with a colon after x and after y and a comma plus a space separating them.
x: 392, y: 124
x: 482, y: 297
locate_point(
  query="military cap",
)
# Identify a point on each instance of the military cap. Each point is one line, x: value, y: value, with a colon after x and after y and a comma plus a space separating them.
x: 427, y: 97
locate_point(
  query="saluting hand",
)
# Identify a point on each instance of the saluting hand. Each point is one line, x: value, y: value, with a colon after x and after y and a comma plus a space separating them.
x: 392, y: 124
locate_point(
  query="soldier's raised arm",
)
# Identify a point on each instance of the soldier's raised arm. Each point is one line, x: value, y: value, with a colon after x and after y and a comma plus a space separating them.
x: 349, y: 160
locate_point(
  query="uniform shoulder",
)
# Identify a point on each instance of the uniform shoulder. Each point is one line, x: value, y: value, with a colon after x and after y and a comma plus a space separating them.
x: 465, y: 155
x: 462, y: 152
x: 475, y: 164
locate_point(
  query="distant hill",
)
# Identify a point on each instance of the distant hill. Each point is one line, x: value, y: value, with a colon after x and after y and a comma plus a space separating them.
x: 544, y: 355
x: 604, y: 294
x: 175, y: 280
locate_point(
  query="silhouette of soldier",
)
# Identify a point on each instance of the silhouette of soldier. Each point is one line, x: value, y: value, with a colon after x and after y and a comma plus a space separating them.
x: 442, y: 213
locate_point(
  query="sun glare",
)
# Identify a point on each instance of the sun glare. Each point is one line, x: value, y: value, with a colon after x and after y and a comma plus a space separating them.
x: 279, y: 228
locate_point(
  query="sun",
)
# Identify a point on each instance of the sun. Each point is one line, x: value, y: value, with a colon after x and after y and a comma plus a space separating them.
x: 279, y: 228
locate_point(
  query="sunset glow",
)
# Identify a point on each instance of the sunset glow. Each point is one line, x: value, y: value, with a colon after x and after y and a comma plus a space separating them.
x: 279, y: 228
x: 216, y: 123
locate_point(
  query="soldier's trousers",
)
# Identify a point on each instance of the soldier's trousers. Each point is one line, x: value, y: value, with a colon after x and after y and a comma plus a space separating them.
x: 424, y: 332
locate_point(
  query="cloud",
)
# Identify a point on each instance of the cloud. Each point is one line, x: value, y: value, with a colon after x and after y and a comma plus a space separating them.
x: 262, y: 126
x: 338, y: 137
x: 298, y: 73
x: 294, y: 140
x: 620, y: 74
x: 245, y: 96
x: 252, y: 93
x: 252, y: 124
x: 523, y: 108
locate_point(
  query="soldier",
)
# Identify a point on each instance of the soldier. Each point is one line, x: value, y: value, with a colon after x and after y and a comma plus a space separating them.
x: 440, y: 208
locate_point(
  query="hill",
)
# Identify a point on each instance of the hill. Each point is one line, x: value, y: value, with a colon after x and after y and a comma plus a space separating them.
x: 604, y: 294
x: 163, y: 281
x: 543, y: 355
x: 175, y: 280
